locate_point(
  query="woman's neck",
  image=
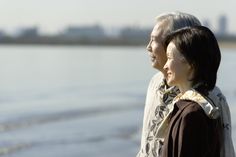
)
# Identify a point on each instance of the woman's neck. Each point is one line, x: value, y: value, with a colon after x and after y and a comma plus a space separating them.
x: 185, y: 86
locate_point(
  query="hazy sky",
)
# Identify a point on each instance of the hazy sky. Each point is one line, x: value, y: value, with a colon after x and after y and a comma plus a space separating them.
x: 54, y: 15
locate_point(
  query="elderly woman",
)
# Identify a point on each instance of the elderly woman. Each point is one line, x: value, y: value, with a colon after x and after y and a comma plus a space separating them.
x: 193, y: 58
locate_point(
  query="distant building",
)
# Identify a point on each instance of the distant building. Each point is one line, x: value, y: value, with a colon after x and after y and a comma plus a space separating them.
x: 222, y: 25
x: 113, y: 32
x: 30, y: 32
x: 135, y: 34
x: 2, y: 34
x: 84, y: 32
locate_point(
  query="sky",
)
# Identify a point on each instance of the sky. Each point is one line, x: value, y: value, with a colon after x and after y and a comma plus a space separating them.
x: 52, y: 16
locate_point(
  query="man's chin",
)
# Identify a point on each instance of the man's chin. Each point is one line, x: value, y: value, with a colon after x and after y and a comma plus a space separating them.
x: 165, y: 74
x: 157, y: 67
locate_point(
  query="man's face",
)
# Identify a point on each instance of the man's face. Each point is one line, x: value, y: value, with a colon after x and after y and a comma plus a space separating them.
x: 155, y: 47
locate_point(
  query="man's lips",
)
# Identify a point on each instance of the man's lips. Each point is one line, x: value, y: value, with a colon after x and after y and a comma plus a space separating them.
x: 153, y: 58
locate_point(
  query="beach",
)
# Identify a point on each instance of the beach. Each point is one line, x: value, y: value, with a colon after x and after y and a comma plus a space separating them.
x: 81, y: 101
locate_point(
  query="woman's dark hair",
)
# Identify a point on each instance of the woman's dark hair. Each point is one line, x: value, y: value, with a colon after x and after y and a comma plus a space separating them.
x: 200, y: 48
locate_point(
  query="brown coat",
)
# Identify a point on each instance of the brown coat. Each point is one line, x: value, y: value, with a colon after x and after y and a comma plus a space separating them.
x: 191, y: 133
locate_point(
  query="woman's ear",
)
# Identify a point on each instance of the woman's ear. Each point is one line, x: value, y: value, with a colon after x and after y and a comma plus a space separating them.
x: 190, y: 67
x: 191, y: 71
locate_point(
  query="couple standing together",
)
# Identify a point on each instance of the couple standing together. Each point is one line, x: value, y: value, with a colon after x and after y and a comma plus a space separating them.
x: 185, y: 114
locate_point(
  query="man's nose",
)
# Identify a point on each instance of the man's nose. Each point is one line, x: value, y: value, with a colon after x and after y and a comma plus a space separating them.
x: 165, y: 67
x: 149, y: 48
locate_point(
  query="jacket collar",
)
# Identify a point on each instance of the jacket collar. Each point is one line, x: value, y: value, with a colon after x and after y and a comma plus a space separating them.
x: 210, y: 110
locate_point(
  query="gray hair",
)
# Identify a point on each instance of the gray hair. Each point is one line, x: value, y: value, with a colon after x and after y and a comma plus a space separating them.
x: 177, y: 20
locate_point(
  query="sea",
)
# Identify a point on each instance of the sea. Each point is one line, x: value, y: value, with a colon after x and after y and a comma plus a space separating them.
x: 81, y: 101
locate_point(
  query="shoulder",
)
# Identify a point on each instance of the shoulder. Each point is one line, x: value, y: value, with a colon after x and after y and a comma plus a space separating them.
x: 190, y: 118
x: 188, y: 105
x: 190, y: 109
x: 157, y: 77
x: 217, y: 96
x: 156, y: 80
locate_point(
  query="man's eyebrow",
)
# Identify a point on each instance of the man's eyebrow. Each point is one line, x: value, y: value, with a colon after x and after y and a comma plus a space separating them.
x: 153, y: 35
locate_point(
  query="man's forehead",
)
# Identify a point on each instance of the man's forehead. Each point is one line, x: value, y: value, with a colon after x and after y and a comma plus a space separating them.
x: 158, y: 29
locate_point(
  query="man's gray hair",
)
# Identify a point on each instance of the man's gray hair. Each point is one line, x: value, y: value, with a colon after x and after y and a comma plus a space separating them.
x: 177, y: 20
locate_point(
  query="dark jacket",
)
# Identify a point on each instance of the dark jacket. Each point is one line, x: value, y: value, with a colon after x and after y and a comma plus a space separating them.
x: 191, y: 132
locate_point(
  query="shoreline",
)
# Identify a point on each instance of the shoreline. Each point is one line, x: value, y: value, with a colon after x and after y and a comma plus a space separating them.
x: 227, y: 44
x: 222, y: 44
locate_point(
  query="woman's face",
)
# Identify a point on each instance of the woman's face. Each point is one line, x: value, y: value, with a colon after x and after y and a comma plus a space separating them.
x: 177, y: 68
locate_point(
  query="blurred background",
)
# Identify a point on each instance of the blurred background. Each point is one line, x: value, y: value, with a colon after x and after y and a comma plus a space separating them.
x: 74, y: 73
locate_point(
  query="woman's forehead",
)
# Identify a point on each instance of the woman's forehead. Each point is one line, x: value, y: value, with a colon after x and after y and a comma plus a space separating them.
x: 171, y: 48
x: 173, y: 51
